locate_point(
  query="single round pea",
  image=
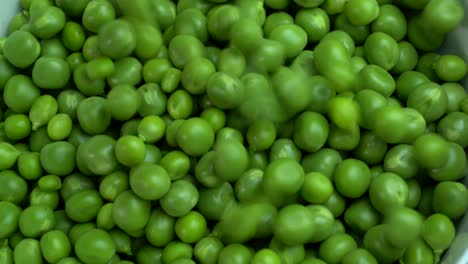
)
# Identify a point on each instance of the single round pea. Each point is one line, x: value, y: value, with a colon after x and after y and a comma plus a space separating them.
x: 113, y: 184
x: 180, y: 104
x: 204, y: 170
x: 408, y: 58
x: 151, y: 128
x: 246, y: 33
x: 153, y: 100
x: 83, y: 206
x: 160, y: 228
x: 191, y: 227
x: 455, y: 94
x: 127, y: 71
x: 58, y: 158
x: 180, y: 199
x: 431, y: 150
x: 361, y: 12
x: 232, y: 61
x: 96, y: 156
x: 149, y: 181
x: 352, y: 178
x: 29, y: 165
x: 392, y: 21
x: 116, y: 38
x: 450, y: 199
x: 275, y: 184
x: 68, y: 101
x: 214, y: 116
x: 285, y: 148
x: 85, y: 84
x: 314, y: 21
x: 361, y: 216
x: 73, y: 36
x: 75, y: 183
x: 220, y: 20
x: 403, y: 226
x: 94, y: 115
x: 310, y: 131
x: 128, y: 203
x: 382, y: 50
x: 334, y: 248
x: 176, y: 250
x: 8, y: 155
x: 195, y: 136
x: 438, y: 231
x: 122, y: 241
x: 450, y: 68
x: 183, y: 48
x: 231, y: 159
x: 17, y: 126
x: 343, y: 112
x: 47, y: 22
x: 21, y: 49
x: 317, y: 188
x: 388, y: 191
x: 407, y: 81
x: 359, y: 255
x: 130, y: 150
x: 36, y: 220
x: 261, y: 135
x: 235, y: 253
x: 452, y: 127
x: 20, y: 86
x: 429, y: 99
x: 149, y: 40
x: 96, y: 14
x: 276, y: 19
x: 292, y: 37
x: 358, y: 33
x: 28, y: 250
x: 419, y: 252
x: 50, y: 183
x: 435, y: 15
x: 95, y: 240
x: 371, y: 148
x: 9, y: 215
x: 225, y: 91
x: 375, y: 78
x: 402, y: 160
x: 59, y: 127
x: 293, y: 225
x: 55, y: 246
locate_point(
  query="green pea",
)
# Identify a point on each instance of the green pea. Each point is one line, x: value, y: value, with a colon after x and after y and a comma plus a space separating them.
x: 231, y: 61
x: 375, y: 78
x: 47, y: 22
x: 149, y: 181
x: 113, y: 184
x: 160, y: 228
x: 285, y: 148
x: 314, y: 21
x: 253, y: 10
x: 29, y: 165
x: 149, y: 40
x: 8, y: 155
x: 323, y: 221
x: 183, y: 48
x: 358, y: 33
x: 310, y: 125
x: 426, y: 65
x: 77, y: 136
x: 55, y: 246
x: 422, y: 36
x: 279, y: 186
x: 231, y: 159
x: 403, y: 227
x: 180, y: 104
x: 420, y: 252
x: 50, y: 183
x: 429, y: 99
x: 96, y: 14
x: 128, y: 70
x: 116, y: 38
x: 97, y: 155
x: 195, y: 136
x: 83, y: 206
x: 171, y: 132
x: 449, y: 198
x: 153, y: 100
x: 235, y: 253
x: 291, y: 91
x: 225, y: 91
x: 453, y: 167
x: 59, y: 127
x: 16, y: 187
x: 10, y: 214
x: 434, y: 14
x: 17, y: 126
x: 191, y: 227
x: 86, y: 85
x: 438, y: 231
x: 94, y: 115
x: 382, y: 50
x: 28, y: 251
x: 128, y: 203
x: 334, y: 248
x: 408, y: 58
x: 58, y: 158
x: 75, y: 183
x: 180, y: 199
x: 191, y: 21
x: 91, y: 48
x: 352, y: 172
x: 276, y: 19
x: 73, y: 36
x: 304, y: 62
x: 124, y: 102
x: 220, y: 20
x: 361, y: 216
x: 288, y: 254
x: 151, y: 128
x: 391, y: 21
x: 258, y: 160
x: 79, y: 229
x: 246, y: 33
x: 148, y: 254
x: 261, y: 135
x: 450, y: 68
x: 207, y: 250
x: 407, y: 82
x: 36, y: 220
x: 122, y: 241
x: 402, y: 160
x: 382, y: 192
x: 21, y: 49
x: 205, y: 172
x: 53, y: 48
x: 16, y: 22
x: 361, y: 12
x: 215, y: 116
x: 92, y: 241
x: 176, y: 250
x: 73, y: 8
x: 68, y: 101
x: 371, y: 148
x: 6, y: 254
x: 171, y: 80
x: 42, y: 110
x: 154, y: 69
x: 452, y: 128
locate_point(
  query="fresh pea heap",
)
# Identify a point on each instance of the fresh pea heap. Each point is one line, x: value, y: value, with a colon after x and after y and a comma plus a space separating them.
x: 231, y: 132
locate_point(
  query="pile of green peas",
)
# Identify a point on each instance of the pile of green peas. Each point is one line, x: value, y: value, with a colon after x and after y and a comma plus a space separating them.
x: 231, y: 132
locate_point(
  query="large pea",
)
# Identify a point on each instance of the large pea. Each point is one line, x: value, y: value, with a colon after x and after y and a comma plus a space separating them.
x: 94, y: 115
x: 9, y: 216
x: 42, y: 110
x: 28, y: 251
x: 20, y: 86
x: 96, y: 156
x: 128, y: 203
x: 83, y: 206
x: 36, y: 220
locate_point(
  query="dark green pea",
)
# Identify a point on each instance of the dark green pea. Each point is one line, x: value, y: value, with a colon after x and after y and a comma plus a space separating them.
x: 58, y: 158
x: 205, y: 172
x: 75, y: 183
x: 358, y: 33
x: 449, y: 198
x: 77, y: 136
x: 17, y: 126
x: 50, y: 183
x: 92, y: 241
x: 128, y: 203
x: 361, y: 216
x: 10, y: 214
x: 323, y: 222
x: 153, y: 100
x: 154, y: 69
x: 379, y: 247
x: 160, y: 228
x: 149, y: 40
x: 261, y: 135
x: 180, y: 104
x: 414, y: 193
x: 402, y: 160
x: 85, y: 84
x: 168, y: 35
x: 310, y: 125
x: 426, y: 65
x: 113, y: 184
x: 334, y: 248
x: 83, y: 206
x: 408, y: 81
x: 418, y: 252
x: 6, y: 70
x: 36, y: 220
x: 391, y: 21
x: 453, y: 168
x: 116, y: 38
x: 91, y: 48
x: 344, y: 139
x: 128, y: 70
x: 21, y: 48
x: 212, y: 202
x: 79, y: 229
x: 382, y: 50
x: 8, y: 154
x: 28, y: 251
x: 171, y: 80
x: 285, y: 148
x: 96, y: 156
x: 258, y: 160
x: 68, y: 101
x: 29, y: 165
x: 149, y: 181
x: 352, y: 172
x: 191, y: 21
x: 183, y: 48
x: 371, y: 148
x: 422, y: 36
x: 55, y: 246
x: 288, y: 254
x: 124, y: 102
x: 149, y: 255
x: 20, y: 86
x: 207, y: 250
x: 176, y: 250
x: 181, y: 198
x: 453, y: 126
x: 171, y: 132
x: 314, y: 21
x: 455, y: 94
x: 15, y: 238
x: 321, y: 92
x: 122, y: 241
x: 425, y: 202
x: 94, y: 115
x: 53, y: 48
x: 429, y: 99
x: 72, y: 8
x: 246, y: 34
x: 6, y: 254
x: 375, y: 78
